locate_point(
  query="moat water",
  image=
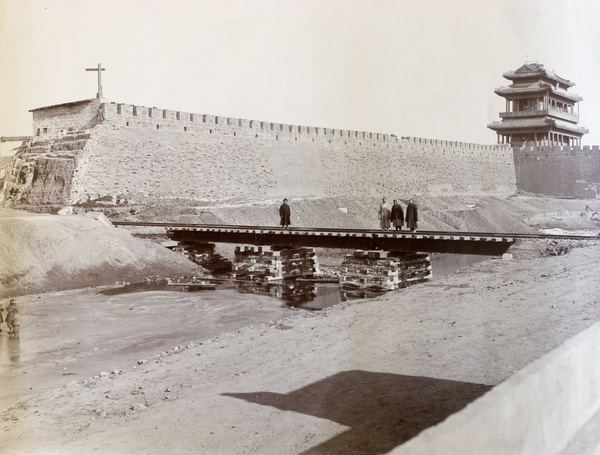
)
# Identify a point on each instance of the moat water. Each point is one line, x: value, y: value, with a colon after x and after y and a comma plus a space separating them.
x: 309, y: 295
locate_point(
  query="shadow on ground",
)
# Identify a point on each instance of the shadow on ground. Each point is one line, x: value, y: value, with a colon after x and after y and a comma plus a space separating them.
x: 383, y: 410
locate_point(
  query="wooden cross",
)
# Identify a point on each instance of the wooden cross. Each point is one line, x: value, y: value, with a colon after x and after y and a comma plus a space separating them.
x: 99, y: 69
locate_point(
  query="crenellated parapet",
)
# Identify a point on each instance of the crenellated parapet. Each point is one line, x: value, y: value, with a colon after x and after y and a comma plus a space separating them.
x: 556, y: 150
x: 152, y: 117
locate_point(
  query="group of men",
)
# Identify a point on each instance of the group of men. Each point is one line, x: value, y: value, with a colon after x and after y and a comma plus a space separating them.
x: 394, y: 215
x: 12, y: 319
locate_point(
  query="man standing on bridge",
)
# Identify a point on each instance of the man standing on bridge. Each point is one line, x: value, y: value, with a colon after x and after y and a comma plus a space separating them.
x: 397, y: 215
x: 285, y: 214
x: 384, y: 215
x: 412, y: 215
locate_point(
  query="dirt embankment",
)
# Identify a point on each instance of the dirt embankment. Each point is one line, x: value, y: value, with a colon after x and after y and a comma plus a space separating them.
x: 43, y: 253
x: 519, y: 213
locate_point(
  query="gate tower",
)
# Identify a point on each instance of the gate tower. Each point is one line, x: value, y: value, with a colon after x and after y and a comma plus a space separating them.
x: 539, y: 109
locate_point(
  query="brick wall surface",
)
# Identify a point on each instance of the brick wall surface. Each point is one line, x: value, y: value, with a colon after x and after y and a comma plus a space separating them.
x: 166, y: 153
x: 556, y: 170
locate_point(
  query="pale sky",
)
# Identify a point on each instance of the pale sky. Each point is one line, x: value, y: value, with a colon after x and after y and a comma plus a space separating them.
x: 425, y: 68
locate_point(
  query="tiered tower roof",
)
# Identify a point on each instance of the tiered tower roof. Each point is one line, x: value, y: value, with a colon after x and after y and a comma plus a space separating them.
x: 539, y: 108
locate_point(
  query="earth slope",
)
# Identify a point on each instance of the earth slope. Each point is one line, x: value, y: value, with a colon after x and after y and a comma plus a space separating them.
x: 42, y: 253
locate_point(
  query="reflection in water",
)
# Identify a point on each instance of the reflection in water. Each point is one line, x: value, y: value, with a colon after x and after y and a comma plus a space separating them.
x: 303, y: 294
x: 297, y: 294
x: 128, y: 288
x: 294, y: 294
x: 306, y: 295
x: 14, y: 350
x: 10, y: 348
x: 444, y: 264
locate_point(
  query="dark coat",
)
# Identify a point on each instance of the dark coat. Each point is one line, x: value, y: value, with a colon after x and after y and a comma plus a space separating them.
x: 412, y: 216
x: 397, y: 214
x: 285, y: 213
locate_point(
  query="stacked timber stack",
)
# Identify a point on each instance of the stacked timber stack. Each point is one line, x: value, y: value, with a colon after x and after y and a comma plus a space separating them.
x: 299, y: 263
x: 257, y: 263
x: 261, y: 263
x: 414, y: 268
x: 376, y: 271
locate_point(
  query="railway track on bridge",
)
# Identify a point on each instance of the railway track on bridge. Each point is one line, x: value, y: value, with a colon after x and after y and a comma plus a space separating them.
x: 464, y: 234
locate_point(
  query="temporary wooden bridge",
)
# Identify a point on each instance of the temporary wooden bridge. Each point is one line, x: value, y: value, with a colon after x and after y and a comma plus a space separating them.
x: 491, y: 244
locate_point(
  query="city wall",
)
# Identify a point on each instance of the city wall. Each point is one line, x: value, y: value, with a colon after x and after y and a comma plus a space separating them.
x: 559, y: 170
x: 137, y: 152
x: 156, y: 152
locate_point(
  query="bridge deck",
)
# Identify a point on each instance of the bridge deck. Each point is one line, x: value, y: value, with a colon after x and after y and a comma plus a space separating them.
x: 485, y: 243
x: 351, y: 239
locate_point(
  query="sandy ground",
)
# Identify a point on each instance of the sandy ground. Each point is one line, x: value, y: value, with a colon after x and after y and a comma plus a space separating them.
x: 358, y: 378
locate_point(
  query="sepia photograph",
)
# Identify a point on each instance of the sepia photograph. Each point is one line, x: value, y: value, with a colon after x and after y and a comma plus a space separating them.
x: 300, y: 227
